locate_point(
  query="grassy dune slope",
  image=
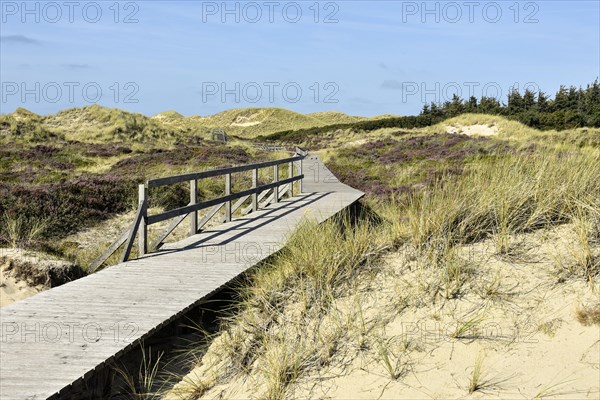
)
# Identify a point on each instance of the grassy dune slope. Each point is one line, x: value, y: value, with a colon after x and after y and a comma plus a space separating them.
x: 100, y: 124
x: 479, y: 276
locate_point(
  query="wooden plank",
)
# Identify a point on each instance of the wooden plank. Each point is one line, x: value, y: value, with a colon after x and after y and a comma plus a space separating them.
x: 129, y: 242
x: 110, y: 250
x: 143, y: 229
x: 235, y: 207
x: 167, y: 231
x: 254, y: 184
x: 269, y: 199
x: 228, y: 193
x: 259, y: 198
x: 193, y: 200
x: 210, y: 214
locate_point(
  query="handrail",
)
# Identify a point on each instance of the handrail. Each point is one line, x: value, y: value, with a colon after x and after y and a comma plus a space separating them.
x: 256, y: 193
x: 217, y: 172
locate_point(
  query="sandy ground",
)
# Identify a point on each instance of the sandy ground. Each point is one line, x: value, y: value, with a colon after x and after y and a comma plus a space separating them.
x: 25, y: 273
x: 474, y: 130
x: 12, y: 289
x: 517, y: 315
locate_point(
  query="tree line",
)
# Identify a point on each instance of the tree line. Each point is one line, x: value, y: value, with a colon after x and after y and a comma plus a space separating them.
x: 570, y: 108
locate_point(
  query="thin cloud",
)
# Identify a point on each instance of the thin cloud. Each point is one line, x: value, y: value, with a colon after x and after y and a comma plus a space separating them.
x: 392, y: 85
x: 19, y: 39
x: 77, y: 66
x: 383, y: 66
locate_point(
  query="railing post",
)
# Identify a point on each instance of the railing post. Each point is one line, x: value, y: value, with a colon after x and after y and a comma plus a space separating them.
x: 276, y: 179
x: 227, y: 193
x: 143, y: 229
x: 300, y: 173
x: 193, y: 200
x: 254, y: 185
x: 291, y: 175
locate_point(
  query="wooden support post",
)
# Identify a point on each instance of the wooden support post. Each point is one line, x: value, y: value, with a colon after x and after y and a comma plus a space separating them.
x: 300, y: 173
x: 276, y: 179
x: 193, y: 200
x: 227, y: 193
x: 255, y: 184
x: 143, y: 229
x: 291, y: 175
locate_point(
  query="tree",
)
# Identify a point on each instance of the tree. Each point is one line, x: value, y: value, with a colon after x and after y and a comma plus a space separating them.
x: 454, y: 107
x: 471, y: 105
x: 489, y: 105
x: 528, y: 100
x: 543, y: 104
x: 515, y: 102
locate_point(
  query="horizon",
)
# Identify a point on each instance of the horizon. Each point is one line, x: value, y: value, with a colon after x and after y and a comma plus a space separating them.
x: 149, y: 57
x: 550, y: 95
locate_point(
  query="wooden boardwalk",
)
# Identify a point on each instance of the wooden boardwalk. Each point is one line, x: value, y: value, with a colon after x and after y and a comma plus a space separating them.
x: 55, y: 338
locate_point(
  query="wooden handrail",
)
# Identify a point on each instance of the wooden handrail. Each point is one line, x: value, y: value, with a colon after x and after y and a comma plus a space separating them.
x: 217, y: 172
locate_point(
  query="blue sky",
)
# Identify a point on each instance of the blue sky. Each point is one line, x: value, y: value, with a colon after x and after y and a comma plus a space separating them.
x: 359, y: 57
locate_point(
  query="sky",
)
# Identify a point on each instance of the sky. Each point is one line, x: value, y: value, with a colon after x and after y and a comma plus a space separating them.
x: 358, y: 57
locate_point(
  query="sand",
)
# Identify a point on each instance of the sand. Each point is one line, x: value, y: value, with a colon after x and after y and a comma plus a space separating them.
x: 25, y: 273
x: 12, y: 289
x: 473, y: 130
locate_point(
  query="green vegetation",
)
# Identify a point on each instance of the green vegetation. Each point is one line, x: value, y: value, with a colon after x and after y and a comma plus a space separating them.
x: 307, y: 308
x: 570, y: 108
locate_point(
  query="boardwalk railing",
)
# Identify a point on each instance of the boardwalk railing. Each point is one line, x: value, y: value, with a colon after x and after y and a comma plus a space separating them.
x: 271, y: 193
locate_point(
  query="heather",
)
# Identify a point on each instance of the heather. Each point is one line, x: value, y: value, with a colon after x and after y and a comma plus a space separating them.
x: 402, y: 164
x: 63, y: 187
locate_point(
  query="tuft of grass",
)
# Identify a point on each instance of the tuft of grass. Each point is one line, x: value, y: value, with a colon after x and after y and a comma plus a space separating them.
x: 588, y: 315
x: 392, y: 362
x: 475, y: 382
x: 549, y: 328
x: 586, y: 263
x: 298, y: 308
x: 552, y: 390
x: 22, y: 230
x: 142, y: 386
x: 467, y: 328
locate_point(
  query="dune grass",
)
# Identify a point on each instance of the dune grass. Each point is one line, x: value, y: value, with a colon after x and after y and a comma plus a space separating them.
x: 292, y: 306
x: 295, y: 315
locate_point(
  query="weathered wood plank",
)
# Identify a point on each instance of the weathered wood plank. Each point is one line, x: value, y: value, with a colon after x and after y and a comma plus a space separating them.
x: 110, y: 250
x: 129, y: 244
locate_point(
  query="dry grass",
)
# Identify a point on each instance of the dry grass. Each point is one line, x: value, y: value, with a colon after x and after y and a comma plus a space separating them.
x: 22, y: 230
x: 476, y: 383
x: 588, y: 315
x: 296, y: 315
x: 297, y: 310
